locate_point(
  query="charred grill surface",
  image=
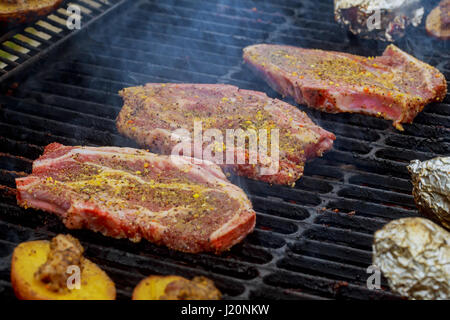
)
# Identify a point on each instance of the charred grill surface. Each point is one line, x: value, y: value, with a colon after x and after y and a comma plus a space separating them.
x: 310, y: 241
x: 29, y: 37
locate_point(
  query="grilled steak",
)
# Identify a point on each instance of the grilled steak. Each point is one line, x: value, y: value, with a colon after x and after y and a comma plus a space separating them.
x: 395, y: 86
x: 130, y: 193
x: 152, y: 113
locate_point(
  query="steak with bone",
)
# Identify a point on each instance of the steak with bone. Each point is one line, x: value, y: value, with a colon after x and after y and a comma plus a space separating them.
x: 134, y: 194
x: 153, y: 113
x: 395, y: 86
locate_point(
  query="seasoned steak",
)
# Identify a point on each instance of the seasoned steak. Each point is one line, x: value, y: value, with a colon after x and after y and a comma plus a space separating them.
x: 154, y: 114
x: 134, y: 194
x: 395, y: 86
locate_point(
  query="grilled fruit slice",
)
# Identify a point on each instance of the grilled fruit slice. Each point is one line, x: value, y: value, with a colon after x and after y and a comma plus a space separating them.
x: 28, y: 261
x: 134, y: 194
x: 395, y: 86
x: 153, y: 113
x: 438, y: 21
x: 23, y: 11
x: 176, y: 288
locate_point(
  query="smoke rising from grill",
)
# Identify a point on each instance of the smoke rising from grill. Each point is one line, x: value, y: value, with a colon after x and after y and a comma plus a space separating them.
x: 311, y: 241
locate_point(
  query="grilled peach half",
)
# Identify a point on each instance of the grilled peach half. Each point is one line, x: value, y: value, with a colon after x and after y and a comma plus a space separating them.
x: 176, y: 288
x: 27, y: 259
x: 434, y: 27
x: 153, y: 287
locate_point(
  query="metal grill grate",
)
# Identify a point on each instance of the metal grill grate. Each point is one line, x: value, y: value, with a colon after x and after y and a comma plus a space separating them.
x: 311, y: 241
x: 20, y: 47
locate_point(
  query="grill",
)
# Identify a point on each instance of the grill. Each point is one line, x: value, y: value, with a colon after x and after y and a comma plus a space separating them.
x: 312, y: 241
x: 21, y: 47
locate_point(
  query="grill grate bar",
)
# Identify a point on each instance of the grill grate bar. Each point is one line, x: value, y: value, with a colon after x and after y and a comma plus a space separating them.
x: 134, y: 78
x: 331, y: 251
x: 25, y: 45
x: 8, y: 63
x: 21, y: 55
x: 167, y: 21
x: 330, y: 289
x: 26, y: 134
x: 164, y: 50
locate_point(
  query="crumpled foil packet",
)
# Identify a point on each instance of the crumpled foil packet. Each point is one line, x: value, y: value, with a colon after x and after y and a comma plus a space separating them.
x: 431, y: 188
x: 384, y: 20
x: 414, y: 255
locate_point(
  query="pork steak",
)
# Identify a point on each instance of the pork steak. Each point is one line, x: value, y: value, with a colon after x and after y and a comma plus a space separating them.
x: 134, y: 194
x: 154, y: 112
x: 395, y: 86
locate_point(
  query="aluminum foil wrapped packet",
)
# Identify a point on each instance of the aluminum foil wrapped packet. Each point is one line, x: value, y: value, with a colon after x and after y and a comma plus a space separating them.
x: 414, y: 255
x: 431, y: 188
x: 384, y: 20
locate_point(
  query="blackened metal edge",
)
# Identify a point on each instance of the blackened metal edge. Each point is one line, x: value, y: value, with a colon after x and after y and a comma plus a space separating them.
x: 20, y: 71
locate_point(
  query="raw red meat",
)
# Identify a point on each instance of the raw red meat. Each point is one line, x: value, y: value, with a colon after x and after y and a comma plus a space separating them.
x: 131, y: 193
x: 152, y: 113
x: 395, y: 86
